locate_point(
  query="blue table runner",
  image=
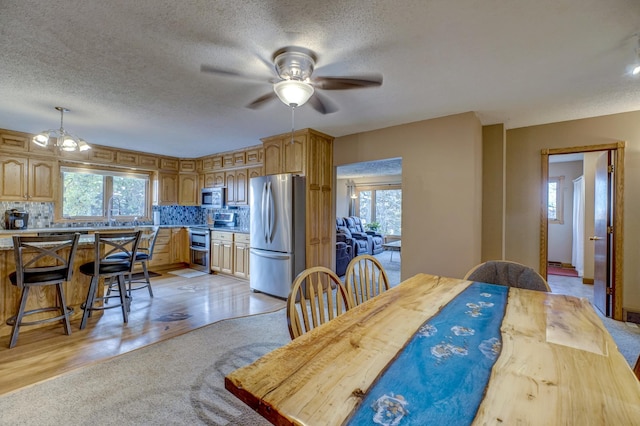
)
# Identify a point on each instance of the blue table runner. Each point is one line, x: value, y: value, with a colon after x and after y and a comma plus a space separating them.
x: 441, y: 374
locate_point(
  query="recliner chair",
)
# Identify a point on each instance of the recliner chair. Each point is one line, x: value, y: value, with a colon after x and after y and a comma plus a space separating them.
x: 359, y: 243
x: 376, y: 239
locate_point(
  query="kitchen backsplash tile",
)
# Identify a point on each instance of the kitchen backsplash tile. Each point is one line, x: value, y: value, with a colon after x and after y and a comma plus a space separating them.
x: 41, y: 215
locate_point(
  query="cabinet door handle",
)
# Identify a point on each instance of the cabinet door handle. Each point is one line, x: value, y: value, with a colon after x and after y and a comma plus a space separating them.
x: 595, y: 238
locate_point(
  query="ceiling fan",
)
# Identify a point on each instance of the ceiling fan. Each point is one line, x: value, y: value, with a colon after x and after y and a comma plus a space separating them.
x: 293, y: 83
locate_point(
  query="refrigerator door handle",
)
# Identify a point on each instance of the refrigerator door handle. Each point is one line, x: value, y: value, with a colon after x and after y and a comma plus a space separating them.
x: 270, y: 255
x: 272, y: 213
x: 264, y: 211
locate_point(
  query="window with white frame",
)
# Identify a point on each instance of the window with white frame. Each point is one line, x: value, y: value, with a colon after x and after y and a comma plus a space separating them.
x: 94, y: 194
x: 555, y: 200
x: 381, y: 205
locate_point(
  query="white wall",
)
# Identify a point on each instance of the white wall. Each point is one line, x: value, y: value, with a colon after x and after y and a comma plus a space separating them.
x: 560, y: 242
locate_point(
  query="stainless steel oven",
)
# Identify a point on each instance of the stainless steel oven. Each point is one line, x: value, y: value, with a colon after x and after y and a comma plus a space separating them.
x: 199, y: 241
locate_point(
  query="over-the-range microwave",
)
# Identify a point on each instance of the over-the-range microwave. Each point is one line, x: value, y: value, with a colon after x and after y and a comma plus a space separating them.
x: 212, y: 198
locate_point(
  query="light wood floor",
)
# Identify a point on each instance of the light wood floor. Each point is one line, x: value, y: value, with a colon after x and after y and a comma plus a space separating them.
x: 179, y: 305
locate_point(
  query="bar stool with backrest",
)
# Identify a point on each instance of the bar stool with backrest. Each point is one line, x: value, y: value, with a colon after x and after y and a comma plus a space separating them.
x: 42, y: 261
x: 114, y: 243
x: 143, y: 256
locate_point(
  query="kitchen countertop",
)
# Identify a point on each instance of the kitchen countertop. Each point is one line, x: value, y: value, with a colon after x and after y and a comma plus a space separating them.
x: 7, y: 243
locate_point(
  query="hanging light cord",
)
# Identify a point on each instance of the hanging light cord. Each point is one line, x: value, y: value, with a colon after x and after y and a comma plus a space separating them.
x: 293, y: 108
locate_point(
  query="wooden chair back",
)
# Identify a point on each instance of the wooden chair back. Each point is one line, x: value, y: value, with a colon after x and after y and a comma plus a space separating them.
x: 365, y: 279
x: 507, y: 273
x: 119, y: 249
x: 317, y: 296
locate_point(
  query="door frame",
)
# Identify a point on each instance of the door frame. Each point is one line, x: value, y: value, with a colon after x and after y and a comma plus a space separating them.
x: 618, y: 236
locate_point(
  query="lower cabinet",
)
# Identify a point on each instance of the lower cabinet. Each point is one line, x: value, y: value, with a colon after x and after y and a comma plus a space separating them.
x: 171, y: 248
x: 230, y: 253
x: 241, y: 256
x: 222, y: 252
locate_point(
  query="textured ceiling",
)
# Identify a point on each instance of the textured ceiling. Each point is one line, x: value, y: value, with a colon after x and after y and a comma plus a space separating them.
x: 129, y: 71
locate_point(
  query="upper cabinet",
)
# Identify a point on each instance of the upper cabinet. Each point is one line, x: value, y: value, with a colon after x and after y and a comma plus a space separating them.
x: 285, y: 154
x: 167, y: 188
x: 27, y: 179
x: 188, y: 189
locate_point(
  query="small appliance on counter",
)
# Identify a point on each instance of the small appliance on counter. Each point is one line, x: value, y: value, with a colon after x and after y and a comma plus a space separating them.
x: 224, y: 219
x: 15, y: 219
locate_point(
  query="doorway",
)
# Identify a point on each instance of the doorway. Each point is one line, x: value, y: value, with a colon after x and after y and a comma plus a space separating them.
x: 372, y: 191
x: 611, y: 271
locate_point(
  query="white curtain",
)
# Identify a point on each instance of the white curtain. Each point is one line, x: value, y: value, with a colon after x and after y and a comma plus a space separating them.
x: 577, y: 257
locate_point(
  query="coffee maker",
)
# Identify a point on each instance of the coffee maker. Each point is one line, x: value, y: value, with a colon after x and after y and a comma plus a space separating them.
x: 15, y: 219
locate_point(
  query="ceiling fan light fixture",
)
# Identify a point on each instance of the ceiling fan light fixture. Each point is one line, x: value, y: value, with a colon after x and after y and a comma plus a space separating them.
x: 293, y: 93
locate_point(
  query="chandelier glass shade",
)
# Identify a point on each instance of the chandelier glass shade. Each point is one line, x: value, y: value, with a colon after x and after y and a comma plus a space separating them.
x: 60, y: 138
x: 293, y: 93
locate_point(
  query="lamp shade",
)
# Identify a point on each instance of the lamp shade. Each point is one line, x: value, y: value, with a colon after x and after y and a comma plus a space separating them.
x: 293, y: 93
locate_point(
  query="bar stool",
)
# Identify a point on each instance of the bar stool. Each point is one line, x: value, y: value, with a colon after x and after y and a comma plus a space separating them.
x: 125, y: 243
x: 31, y: 254
x: 143, y: 256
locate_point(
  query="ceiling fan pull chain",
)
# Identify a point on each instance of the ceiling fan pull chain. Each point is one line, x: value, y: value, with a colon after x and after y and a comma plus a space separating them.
x: 292, y: 122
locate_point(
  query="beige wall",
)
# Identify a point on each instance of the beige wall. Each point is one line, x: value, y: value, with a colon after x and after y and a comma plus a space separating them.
x: 523, y: 174
x: 493, y: 144
x: 441, y: 188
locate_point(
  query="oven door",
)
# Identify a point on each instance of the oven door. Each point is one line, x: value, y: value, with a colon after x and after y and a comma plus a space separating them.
x: 199, y: 240
x: 199, y: 258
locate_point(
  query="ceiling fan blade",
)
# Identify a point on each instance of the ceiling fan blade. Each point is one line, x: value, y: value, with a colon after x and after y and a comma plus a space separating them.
x: 215, y: 70
x: 231, y: 73
x: 321, y: 104
x: 262, y: 100
x: 346, y: 83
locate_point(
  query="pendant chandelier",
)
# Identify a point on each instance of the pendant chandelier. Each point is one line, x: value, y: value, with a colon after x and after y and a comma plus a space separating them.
x: 64, y: 140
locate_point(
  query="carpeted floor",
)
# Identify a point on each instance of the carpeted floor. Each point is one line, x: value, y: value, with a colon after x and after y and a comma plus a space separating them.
x: 177, y: 381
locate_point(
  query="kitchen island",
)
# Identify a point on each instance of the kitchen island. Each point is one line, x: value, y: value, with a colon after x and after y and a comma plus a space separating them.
x: 75, y: 290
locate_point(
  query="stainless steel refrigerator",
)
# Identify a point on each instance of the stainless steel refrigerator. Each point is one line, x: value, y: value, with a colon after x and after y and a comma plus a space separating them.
x: 277, y: 220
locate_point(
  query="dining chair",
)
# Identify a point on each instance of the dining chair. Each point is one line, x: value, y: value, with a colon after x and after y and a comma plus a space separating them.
x: 508, y: 273
x: 365, y: 278
x: 108, y: 245
x: 42, y: 261
x: 143, y: 256
x: 317, y: 296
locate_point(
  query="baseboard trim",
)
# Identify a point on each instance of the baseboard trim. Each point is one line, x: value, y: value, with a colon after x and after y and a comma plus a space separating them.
x: 631, y: 316
x: 587, y: 281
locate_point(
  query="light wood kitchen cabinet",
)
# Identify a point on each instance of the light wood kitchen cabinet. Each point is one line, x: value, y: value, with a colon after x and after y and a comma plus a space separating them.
x: 310, y: 155
x: 23, y: 179
x: 254, y: 156
x: 167, y: 188
x: 126, y: 158
x: 222, y: 252
x: 230, y: 183
x: 214, y: 180
x: 282, y: 154
x: 41, y: 179
x: 188, y: 189
x: 162, y: 250
x: 187, y: 165
x: 253, y: 172
x: 241, y: 255
x: 179, y: 245
x: 171, y: 248
x: 241, y: 190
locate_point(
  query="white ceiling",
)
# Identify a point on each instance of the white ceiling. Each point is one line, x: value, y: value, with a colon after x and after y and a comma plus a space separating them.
x: 129, y: 71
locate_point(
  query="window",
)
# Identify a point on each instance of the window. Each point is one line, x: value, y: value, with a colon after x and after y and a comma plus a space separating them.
x: 555, y: 200
x: 92, y: 194
x: 381, y: 204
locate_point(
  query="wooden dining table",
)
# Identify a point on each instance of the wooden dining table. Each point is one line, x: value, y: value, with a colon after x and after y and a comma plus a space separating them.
x: 437, y: 350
